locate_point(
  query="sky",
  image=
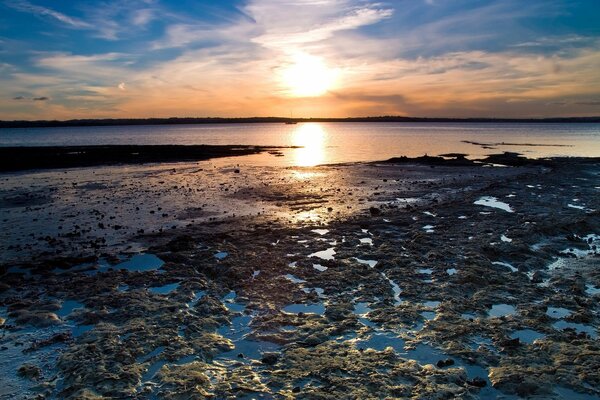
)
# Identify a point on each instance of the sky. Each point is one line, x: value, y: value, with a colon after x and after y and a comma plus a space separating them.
x: 304, y: 58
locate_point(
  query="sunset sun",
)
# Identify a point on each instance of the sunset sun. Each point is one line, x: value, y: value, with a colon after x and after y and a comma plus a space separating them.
x: 308, y: 76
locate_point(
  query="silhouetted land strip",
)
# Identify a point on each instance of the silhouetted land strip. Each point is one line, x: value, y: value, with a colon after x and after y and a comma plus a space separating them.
x: 214, y: 120
x: 22, y: 158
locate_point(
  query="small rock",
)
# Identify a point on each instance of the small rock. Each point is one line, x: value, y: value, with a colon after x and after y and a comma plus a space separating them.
x: 477, y: 382
x: 445, y: 363
x: 29, y: 371
x: 269, y: 358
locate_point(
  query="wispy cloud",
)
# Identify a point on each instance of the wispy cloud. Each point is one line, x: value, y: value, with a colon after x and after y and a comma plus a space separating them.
x: 70, y: 22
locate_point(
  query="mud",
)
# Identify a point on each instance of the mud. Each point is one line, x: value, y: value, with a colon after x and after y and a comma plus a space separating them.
x: 234, y: 307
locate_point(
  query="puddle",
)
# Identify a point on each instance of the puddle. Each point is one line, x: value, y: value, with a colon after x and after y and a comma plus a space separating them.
x: 428, y: 315
x: 592, y: 290
x: 431, y: 304
x: 561, y: 325
x: 380, y: 341
x: 293, y: 279
x: 361, y: 308
x: 430, y: 213
x: 164, y: 290
x: 221, y: 255
x: 141, y: 263
x: 230, y: 303
x: 451, y: 271
x: 320, y: 231
x: 502, y: 310
x: 123, y: 288
x: 557, y: 312
x: 318, y: 308
x: 368, y: 241
x: 197, y: 296
x: 79, y: 330
x: 324, y: 254
x: 527, y: 335
x: 507, y: 265
x: 395, y: 288
x: 478, y: 340
x: 426, y: 271
x: 468, y: 316
x: 566, y: 393
x: 153, y: 353
x: 429, y: 228
x: 370, y: 263
x: 255, y: 274
x: 319, y: 267
x: 493, y: 202
x: 575, y: 206
x: 68, y: 306
x: 292, y: 264
x: 505, y: 239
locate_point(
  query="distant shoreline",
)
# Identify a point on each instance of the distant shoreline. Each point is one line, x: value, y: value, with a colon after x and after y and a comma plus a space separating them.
x: 250, y: 120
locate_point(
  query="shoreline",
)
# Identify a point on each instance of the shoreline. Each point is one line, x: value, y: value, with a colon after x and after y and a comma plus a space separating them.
x: 449, y: 280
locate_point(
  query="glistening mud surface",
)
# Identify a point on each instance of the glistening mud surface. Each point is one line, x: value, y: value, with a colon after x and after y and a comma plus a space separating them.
x: 335, y: 290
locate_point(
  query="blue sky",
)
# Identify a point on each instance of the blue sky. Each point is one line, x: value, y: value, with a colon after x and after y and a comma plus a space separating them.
x: 153, y: 58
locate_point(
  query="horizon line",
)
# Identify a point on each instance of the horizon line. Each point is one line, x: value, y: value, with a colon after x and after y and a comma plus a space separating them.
x: 276, y: 119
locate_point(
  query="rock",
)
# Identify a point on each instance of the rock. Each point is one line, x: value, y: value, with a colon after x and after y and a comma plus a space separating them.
x: 477, y: 382
x: 269, y: 358
x: 29, y: 371
x: 296, y: 389
x: 374, y: 211
x: 510, y: 343
x: 445, y: 363
x: 237, y: 171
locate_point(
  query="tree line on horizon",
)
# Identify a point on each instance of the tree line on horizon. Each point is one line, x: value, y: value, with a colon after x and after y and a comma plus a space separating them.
x: 223, y: 120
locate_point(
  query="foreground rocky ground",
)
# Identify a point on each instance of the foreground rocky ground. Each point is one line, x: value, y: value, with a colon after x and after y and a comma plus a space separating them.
x: 357, y: 281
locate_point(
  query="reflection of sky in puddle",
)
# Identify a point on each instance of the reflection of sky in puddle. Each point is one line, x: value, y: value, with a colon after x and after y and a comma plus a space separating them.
x: 426, y: 271
x: 507, y: 265
x: 324, y: 254
x: 230, y: 303
x: 431, y: 304
x: 566, y: 393
x: 527, y: 335
x: 293, y: 278
x: 237, y: 332
x: 221, y: 255
x: 141, y: 263
x: 468, y: 316
x: 370, y: 263
x: 68, y: 306
x: 428, y: 315
x: 592, y: 290
x: 319, y: 267
x: 318, y: 308
x: 451, y: 271
x: 479, y: 340
x: 502, y: 310
x: 166, y: 289
x: 368, y: 241
x: 361, y: 308
x: 557, y: 312
x: 493, y: 202
x: 560, y: 325
x: 320, y: 231
x: 79, y: 330
x: 395, y: 288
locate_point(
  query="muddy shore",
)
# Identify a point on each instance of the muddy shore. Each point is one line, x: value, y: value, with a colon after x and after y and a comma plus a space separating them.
x: 53, y: 157
x: 406, y: 279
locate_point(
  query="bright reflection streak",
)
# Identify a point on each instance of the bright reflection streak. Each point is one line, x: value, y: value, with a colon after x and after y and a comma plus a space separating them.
x: 311, y: 137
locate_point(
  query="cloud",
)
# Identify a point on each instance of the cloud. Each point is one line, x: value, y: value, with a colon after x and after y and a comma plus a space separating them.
x: 25, y: 6
x: 121, y: 86
x: 42, y: 98
x: 19, y: 98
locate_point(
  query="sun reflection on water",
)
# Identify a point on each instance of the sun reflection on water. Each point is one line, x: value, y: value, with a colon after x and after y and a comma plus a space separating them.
x: 311, y: 136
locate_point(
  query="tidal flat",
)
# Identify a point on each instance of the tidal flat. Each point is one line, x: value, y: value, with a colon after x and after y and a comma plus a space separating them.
x: 404, y: 279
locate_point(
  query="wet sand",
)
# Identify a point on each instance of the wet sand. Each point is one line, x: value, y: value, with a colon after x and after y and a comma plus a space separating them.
x: 381, y: 280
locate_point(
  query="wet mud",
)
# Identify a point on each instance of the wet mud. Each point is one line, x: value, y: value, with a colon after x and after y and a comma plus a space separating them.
x: 383, y: 280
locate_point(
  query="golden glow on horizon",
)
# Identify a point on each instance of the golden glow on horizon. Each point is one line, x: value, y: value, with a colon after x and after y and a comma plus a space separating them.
x: 308, y: 76
x: 311, y: 137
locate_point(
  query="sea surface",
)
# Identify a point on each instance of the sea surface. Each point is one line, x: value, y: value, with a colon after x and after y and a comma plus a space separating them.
x: 327, y: 143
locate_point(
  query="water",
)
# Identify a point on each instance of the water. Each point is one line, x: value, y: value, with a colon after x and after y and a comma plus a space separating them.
x: 326, y: 143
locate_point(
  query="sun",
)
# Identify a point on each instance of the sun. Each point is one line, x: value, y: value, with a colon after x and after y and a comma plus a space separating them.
x: 308, y: 76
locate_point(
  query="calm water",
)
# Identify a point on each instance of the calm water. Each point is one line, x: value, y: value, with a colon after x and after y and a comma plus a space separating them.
x: 325, y: 143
